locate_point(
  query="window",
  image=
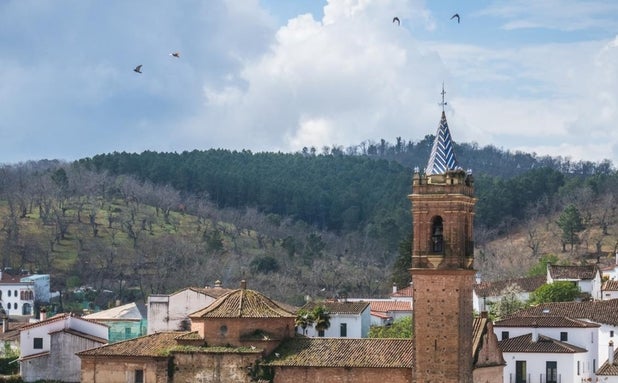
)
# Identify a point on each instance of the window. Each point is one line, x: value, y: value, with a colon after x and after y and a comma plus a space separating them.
x: 127, y: 332
x: 520, y: 371
x: 343, y: 330
x: 578, y: 367
x: 505, y: 335
x: 38, y: 343
x: 9, y: 293
x: 15, y: 292
x: 437, y: 238
x: 611, y: 334
x: 139, y: 376
x: 321, y: 333
x: 564, y: 336
x: 551, y: 371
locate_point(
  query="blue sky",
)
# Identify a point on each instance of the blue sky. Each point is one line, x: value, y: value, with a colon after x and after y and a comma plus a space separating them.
x: 272, y: 75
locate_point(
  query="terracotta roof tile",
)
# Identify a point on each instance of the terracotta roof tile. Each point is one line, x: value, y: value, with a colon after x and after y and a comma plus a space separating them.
x: 339, y: 307
x: 605, y: 312
x: 610, y: 369
x: 611, y: 285
x: 152, y: 345
x: 405, y: 292
x: 341, y: 352
x: 478, y: 327
x: 544, y: 321
x: 385, y: 306
x: 213, y: 292
x: 544, y: 344
x: 572, y: 272
x: 243, y: 303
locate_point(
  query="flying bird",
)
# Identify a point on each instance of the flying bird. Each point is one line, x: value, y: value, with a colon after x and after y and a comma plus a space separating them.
x: 138, y: 69
x: 396, y: 20
x: 175, y: 54
x: 456, y: 15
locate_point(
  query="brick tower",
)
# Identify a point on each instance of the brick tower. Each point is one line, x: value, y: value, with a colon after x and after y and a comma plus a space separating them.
x: 442, y: 265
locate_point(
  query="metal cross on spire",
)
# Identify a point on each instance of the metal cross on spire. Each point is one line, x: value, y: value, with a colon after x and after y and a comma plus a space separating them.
x: 443, y: 103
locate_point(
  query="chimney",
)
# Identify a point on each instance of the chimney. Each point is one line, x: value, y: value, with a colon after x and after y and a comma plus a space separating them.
x: 43, y: 315
x: 535, y: 332
x: 217, y: 284
x: 394, y: 287
x: 5, y: 324
x: 484, y: 315
x: 243, y: 284
x: 610, y: 353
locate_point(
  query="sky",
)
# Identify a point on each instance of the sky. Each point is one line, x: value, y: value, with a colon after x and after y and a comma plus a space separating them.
x: 276, y: 75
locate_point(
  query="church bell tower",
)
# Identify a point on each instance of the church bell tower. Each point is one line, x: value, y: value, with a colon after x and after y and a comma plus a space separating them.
x: 442, y: 265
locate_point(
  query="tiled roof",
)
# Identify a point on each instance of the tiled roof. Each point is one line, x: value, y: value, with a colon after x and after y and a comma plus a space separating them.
x: 243, y: 303
x: 605, y: 312
x: 442, y: 157
x: 544, y: 321
x: 572, y: 272
x: 384, y: 306
x: 478, y: 327
x: 342, y: 352
x: 495, y: 288
x: 12, y: 331
x: 405, y: 292
x: 610, y: 369
x: 544, y: 344
x: 152, y: 345
x: 339, y: 307
x: 214, y: 292
x: 611, y: 285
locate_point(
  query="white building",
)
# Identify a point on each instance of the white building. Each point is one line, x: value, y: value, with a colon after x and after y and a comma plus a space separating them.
x: 171, y: 312
x: 18, y: 293
x: 603, y: 313
x: 610, y: 289
x: 586, y: 277
x: 486, y: 293
x: 548, y: 349
x: 49, y: 344
x: 347, y: 319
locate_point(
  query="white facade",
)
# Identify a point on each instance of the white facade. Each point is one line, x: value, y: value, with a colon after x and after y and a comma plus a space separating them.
x: 536, y: 367
x: 35, y: 338
x: 167, y: 312
x: 591, y: 285
x: 19, y: 293
x: 48, y: 347
x: 344, y: 325
x: 572, y: 367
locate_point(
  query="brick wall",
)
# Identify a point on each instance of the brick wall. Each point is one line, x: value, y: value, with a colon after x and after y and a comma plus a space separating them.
x: 342, y: 375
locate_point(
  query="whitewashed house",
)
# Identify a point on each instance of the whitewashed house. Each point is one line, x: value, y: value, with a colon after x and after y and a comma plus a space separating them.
x: 170, y: 312
x: 609, y: 289
x: 48, y: 347
x: 18, y: 293
x: 586, y: 277
x: 548, y: 349
x: 486, y: 293
x: 604, y: 313
x: 347, y: 319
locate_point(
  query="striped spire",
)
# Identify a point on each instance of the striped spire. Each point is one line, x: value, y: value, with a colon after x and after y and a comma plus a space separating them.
x: 442, y: 156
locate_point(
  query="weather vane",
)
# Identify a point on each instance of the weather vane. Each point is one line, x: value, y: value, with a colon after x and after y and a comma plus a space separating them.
x: 443, y: 103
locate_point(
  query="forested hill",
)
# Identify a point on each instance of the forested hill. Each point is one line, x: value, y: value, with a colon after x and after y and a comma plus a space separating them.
x: 295, y: 224
x: 348, y: 190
